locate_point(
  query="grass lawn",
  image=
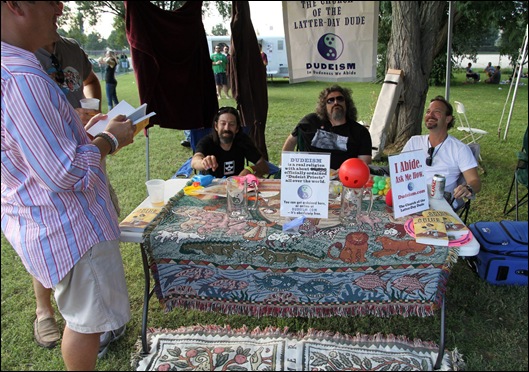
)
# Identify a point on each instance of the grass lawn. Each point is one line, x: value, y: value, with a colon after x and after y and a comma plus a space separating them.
x: 487, y: 324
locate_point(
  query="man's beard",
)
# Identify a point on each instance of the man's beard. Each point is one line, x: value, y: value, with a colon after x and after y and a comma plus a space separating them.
x: 337, y: 113
x: 432, y: 125
x: 226, y: 139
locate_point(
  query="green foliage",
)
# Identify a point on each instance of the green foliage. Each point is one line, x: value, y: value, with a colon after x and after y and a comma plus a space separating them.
x: 438, y: 74
x: 219, y: 30
x: 487, y: 324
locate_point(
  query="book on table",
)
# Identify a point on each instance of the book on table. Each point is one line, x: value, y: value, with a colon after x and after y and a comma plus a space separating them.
x: 430, y: 230
x: 139, y: 218
x: 454, y: 227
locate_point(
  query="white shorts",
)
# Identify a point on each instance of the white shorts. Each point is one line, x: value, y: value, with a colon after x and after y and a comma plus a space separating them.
x: 93, y: 296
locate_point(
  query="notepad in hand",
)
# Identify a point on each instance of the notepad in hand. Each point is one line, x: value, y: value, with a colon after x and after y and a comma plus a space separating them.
x: 137, y: 115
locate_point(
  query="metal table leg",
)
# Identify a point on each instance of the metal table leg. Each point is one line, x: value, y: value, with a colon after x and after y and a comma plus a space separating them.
x: 147, y: 294
x: 442, y: 337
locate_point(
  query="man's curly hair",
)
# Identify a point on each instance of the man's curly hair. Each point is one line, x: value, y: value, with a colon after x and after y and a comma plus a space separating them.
x: 350, y: 108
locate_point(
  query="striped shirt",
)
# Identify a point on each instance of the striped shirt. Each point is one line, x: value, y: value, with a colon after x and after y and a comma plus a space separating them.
x: 55, y: 200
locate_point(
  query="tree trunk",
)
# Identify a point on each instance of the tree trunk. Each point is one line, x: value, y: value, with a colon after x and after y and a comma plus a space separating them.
x: 415, y: 31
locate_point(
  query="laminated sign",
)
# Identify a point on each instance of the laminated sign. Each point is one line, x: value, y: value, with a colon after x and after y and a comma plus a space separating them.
x: 408, y: 183
x: 305, y: 184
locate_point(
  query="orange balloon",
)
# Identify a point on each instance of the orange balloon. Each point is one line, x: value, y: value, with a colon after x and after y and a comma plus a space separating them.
x: 354, y: 173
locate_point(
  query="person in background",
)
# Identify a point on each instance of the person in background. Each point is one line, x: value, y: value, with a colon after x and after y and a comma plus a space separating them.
x: 57, y: 215
x: 444, y: 153
x: 186, y: 142
x: 471, y: 74
x: 496, y: 76
x: 332, y: 128
x: 111, y: 63
x: 489, y: 70
x: 68, y: 65
x: 124, y: 62
x: 264, y: 57
x: 226, y: 52
x: 219, y: 63
x: 226, y: 150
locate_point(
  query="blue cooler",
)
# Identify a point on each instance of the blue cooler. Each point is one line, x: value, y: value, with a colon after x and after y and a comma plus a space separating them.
x: 502, y: 259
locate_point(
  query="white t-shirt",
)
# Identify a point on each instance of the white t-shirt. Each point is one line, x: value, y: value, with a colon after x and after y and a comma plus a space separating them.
x: 450, y: 158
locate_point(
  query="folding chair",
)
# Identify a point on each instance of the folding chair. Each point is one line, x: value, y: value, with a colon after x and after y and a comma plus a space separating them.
x: 520, y: 177
x: 473, y: 134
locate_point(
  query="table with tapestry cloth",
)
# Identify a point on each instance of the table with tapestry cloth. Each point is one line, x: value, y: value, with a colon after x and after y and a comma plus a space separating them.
x: 202, y: 259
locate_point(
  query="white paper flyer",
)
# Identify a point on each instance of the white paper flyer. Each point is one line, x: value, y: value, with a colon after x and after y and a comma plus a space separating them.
x: 408, y: 183
x: 305, y: 184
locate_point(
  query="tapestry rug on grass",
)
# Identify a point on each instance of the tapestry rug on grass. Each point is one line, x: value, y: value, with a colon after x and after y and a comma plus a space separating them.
x: 203, y: 259
x: 215, y: 348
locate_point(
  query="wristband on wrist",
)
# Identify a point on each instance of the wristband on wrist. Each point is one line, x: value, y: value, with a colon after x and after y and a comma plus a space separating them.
x: 109, y: 140
x: 249, y: 169
x: 113, y: 138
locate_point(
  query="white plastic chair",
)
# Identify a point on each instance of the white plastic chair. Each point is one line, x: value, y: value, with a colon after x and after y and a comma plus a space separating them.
x: 473, y: 134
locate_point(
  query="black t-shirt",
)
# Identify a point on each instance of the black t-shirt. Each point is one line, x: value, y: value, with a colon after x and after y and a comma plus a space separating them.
x: 231, y: 162
x: 348, y: 140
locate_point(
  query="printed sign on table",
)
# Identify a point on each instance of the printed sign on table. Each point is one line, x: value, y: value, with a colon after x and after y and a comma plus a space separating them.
x: 305, y: 184
x: 408, y: 183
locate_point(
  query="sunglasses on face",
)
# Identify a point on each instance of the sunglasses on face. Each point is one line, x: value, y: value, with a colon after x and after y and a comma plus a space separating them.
x: 429, y: 159
x: 59, y: 73
x: 331, y: 100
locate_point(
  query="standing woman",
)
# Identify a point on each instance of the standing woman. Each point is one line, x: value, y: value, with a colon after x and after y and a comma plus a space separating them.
x: 110, y: 78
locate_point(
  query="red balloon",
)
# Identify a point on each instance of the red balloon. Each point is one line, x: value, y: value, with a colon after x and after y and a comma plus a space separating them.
x: 389, y: 198
x: 354, y: 173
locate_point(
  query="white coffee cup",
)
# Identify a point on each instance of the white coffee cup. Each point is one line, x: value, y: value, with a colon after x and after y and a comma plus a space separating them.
x: 156, y: 189
x: 90, y: 103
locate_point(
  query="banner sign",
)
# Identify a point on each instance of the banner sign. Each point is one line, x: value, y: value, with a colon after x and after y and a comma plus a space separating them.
x: 331, y: 40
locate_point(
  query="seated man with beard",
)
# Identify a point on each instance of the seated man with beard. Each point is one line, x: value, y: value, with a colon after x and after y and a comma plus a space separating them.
x: 227, y: 149
x: 333, y: 129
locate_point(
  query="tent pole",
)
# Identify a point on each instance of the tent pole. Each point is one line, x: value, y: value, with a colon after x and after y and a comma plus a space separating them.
x: 505, y: 105
x: 520, y: 70
x: 147, y: 171
x: 451, y: 10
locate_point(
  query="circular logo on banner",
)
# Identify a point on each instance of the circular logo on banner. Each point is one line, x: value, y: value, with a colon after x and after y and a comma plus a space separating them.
x: 330, y: 47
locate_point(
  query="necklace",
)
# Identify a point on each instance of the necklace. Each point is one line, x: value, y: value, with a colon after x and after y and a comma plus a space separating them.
x: 439, y: 148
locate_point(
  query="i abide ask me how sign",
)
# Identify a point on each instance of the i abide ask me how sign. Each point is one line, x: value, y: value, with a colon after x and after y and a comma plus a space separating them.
x: 408, y: 183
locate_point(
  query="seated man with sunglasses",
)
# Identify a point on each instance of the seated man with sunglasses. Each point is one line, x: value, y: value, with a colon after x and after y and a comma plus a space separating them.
x: 333, y: 129
x: 446, y: 154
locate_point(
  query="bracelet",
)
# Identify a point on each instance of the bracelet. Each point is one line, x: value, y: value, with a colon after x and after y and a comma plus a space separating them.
x: 108, y: 139
x: 249, y: 169
x: 113, y: 138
